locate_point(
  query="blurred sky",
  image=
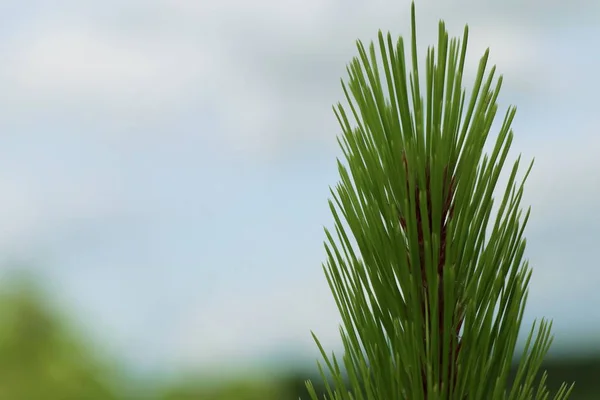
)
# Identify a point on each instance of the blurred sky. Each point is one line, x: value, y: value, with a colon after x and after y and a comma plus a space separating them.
x: 165, y: 164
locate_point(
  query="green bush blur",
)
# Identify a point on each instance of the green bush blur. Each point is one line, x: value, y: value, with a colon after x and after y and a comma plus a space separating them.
x: 43, y: 358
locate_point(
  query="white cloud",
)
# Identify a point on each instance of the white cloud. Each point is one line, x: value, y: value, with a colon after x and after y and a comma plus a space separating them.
x: 76, y: 67
x: 76, y: 60
x: 31, y: 216
x: 240, y: 323
x: 562, y: 185
x: 44, y: 195
x: 267, y: 71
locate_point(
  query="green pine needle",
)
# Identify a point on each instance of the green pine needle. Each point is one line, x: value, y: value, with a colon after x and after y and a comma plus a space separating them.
x: 430, y: 281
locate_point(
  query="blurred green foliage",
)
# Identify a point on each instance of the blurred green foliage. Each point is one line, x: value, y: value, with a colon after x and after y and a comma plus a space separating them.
x: 43, y: 358
x: 238, y: 390
x: 39, y: 357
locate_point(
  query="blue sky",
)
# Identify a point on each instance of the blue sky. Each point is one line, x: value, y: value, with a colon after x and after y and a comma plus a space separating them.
x: 165, y: 164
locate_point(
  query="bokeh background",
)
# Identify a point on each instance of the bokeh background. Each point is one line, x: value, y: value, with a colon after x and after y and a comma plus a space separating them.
x: 164, y: 174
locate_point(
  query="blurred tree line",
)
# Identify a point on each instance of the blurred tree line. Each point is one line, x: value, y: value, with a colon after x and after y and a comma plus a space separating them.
x: 42, y: 357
